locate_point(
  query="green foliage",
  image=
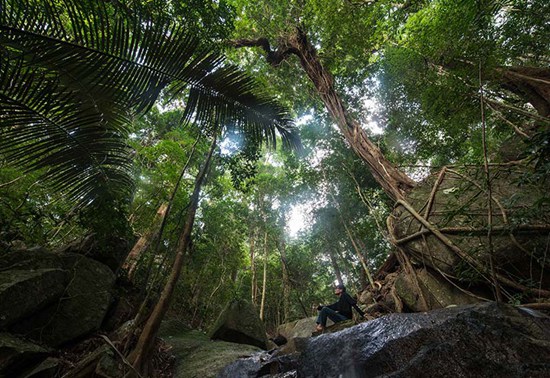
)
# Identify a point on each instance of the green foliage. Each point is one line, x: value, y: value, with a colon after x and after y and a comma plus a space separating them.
x: 211, y: 20
x: 430, y: 78
x: 69, y: 87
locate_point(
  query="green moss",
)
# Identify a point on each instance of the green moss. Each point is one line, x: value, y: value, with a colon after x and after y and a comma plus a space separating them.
x: 198, y: 356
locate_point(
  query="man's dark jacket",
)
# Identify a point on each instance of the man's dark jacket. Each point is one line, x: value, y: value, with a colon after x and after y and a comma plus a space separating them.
x: 344, y: 305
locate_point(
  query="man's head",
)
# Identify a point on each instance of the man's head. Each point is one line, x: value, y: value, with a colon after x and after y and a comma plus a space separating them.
x: 339, y: 289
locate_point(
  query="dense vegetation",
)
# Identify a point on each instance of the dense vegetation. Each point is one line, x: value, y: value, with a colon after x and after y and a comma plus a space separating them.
x: 431, y: 83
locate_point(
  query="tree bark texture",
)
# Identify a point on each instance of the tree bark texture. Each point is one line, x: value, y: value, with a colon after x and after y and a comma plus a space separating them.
x: 139, y: 356
x: 286, y: 283
x: 530, y: 83
x: 144, y: 242
x: 393, y: 181
x: 264, y: 280
x: 253, y: 283
x: 336, y: 268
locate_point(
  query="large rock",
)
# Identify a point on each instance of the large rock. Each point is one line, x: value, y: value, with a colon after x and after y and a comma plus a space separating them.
x: 23, y: 292
x: 17, y: 354
x: 82, y: 305
x: 111, y: 252
x: 198, y: 356
x: 520, y: 223
x: 239, y: 323
x: 482, y: 340
x: 438, y: 292
x: 299, y: 328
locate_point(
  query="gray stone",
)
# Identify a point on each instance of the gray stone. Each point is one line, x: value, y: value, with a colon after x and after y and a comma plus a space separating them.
x: 482, y: 340
x: 437, y: 291
x: 111, y: 252
x: 83, y: 305
x: 299, y: 328
x: 239, y: 323
x: 459, y: 210
x: 17, y: 354
x: 294, y: 345
x: 49, y: 368
x: 198, y: 356
x: 23, y: 292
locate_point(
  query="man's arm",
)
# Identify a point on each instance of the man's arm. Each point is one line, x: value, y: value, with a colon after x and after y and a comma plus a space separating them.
x: 353, y: 304
x: 359, y: 311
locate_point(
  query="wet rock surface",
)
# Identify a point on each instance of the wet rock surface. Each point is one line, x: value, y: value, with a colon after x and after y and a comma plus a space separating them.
x: 482, y: 340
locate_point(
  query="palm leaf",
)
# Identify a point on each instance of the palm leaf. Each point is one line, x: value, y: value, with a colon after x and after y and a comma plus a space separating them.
x: 73, y: 72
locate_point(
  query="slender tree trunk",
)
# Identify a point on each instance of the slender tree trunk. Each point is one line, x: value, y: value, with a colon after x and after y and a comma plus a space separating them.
x: 253, y: 284
x: 139, y: 356
x: 393, y: 181
x: 264, y: 281
x: 364, y: 253
x: 144, y: 242
x: 335, y: 266
x: 169, y: 209
x: 360, y: 256
x: 286, y: 283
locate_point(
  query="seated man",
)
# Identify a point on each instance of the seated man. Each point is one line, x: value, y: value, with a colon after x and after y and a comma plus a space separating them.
x: 339, y: 311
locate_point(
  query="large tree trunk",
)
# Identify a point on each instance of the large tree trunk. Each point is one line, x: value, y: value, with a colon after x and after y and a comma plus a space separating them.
x: 139, y: 356
x: 393, y: 181
x: 531, y: 83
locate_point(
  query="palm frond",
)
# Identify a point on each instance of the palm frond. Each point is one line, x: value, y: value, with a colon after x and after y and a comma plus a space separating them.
x: 72, y: 73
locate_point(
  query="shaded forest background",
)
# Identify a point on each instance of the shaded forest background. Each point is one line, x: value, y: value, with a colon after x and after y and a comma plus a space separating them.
x: 432, y: 83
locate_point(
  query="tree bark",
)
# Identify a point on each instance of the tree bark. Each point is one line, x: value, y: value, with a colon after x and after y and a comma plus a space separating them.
x: 360, y: 255
x: 139, y: 356
x: 253, y: 283
x: 264, y: 281
x: 336, y: 268
x: 530, y: 83
x: 286, y: 283
x: 144, y: 242
x: 393, y: 181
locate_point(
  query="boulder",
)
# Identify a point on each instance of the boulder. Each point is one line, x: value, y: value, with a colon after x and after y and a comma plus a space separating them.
x: 299, y: 328
x: 23, y: 292
x: 519, y: 224
x: 335, y: 327
x: 294, y: 345
x: 239, y: 323
x: 198, y: 356
x: 111, y: 252
x: 80, y: 309
x: 481, y: 340
x: 437, y: 292
x: 50, y: 367
x: 17, y: 354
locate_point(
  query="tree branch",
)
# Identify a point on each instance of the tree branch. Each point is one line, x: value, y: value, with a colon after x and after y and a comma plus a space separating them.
x: 273, y: 57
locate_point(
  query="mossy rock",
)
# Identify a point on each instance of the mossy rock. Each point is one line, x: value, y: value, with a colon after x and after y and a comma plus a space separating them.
x: 437, y: 291
x: 82, y: 306
x: 239, y: 323
x: 197, y: 356
x: 23, y: 292
x: 17, y: 354
x: 459, y: 210
x: 299, y: 328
